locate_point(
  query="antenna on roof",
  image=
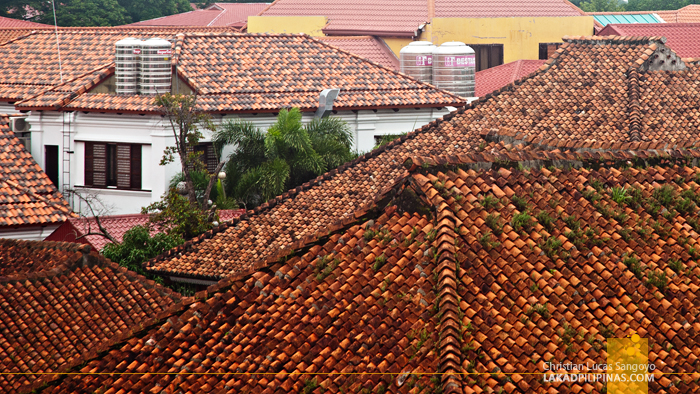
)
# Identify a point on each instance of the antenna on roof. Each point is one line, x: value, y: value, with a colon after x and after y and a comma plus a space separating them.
x: 58, y: 46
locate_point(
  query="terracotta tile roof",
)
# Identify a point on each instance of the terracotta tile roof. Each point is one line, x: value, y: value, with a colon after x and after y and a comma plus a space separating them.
x: 77, y: 229
x: 368, y: 47
x: 497, y: 77
x: 404, y: 18
x: 217, y: 14
x: 578, y: 100
x: 76, y: 302
x: 10, y: 22
x: 259, y: 82
x: 687, y: 14
x: 420, y: 280
x: 27, y: 196
x: 679, y: 36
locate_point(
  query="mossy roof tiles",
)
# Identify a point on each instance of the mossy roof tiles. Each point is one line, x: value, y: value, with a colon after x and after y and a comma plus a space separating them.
x: 593, y: 94
x: 420, y: 280
x: 60, y: 300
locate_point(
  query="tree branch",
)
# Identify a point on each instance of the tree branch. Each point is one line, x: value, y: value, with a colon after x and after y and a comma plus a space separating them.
x: 212, y: 179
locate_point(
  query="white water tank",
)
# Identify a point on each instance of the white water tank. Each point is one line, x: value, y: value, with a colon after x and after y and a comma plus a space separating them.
x: 126, y: 65
x: 155, y: 73
x: 454, y: 67
x: 417, y: 60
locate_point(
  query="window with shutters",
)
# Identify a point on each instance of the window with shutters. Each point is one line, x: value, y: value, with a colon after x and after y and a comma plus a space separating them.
x: 207, y: 155
x: 113, y: 165
x: 487, y: 55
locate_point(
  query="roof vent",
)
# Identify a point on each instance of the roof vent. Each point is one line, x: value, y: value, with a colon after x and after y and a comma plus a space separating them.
x: 417, y: 60
x: 126, y: 68
x: 325, y: 102
x: 454, y: 68
x: 155, y: 73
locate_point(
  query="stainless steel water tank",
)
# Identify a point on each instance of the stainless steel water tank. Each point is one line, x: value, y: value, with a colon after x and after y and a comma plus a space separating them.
x: 417, y: 60
x: 126, y: 65
x: 454, y: 67
x: 155, y: 73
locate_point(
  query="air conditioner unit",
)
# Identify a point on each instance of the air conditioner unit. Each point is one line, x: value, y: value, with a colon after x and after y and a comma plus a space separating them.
x: 19, y: 125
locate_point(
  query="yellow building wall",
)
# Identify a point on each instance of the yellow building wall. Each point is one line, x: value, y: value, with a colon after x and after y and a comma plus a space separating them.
x: 311, y: 25
x: 521, y: 37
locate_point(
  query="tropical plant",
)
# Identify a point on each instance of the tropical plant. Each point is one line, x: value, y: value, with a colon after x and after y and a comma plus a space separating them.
x: 264, y: 165
x: 175, y: 215
x: 138, y: 246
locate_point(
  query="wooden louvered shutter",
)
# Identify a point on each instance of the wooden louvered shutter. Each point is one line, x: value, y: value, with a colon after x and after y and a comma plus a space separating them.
x: 210, y: 158
x: 136, y: 166
x: 123, y: 166
x: 95, y: 164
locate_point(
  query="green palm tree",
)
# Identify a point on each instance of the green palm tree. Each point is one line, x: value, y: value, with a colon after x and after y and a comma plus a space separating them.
x: 264, y: 165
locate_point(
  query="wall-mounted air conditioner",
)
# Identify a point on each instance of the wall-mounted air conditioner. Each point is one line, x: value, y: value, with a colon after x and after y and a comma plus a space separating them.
x: 19, y: 125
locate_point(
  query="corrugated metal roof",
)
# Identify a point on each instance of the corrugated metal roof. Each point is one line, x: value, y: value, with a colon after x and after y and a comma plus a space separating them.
x: 627, y: 18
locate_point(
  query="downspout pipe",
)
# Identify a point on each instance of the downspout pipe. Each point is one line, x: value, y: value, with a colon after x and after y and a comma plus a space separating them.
x: 325, y: 102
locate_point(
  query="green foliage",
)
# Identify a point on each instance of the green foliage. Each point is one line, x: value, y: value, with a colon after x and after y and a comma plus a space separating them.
x: 522, y: 221
x: 676, y: 265
x: 665, y: 195
x: 92, y: 12
x: 139, y: 246
x: 545, y: 220
x: 606, y: 331
x: 387, y: 138
x: 486, y: 241
x: 176, y: 216
x: 324, y: 266
x: 597, y: 184
x: 542, y: 310
x: 551, y: 246
x: 519, y: 202
x: 625, y: 233
x: 657, y: 5
x: 633, y: 264
x: 685, y: 206
x: 309, y: 386
x: 493, y: 222
x: 264, y: 165
x: 619, y: 195
x: 658, y: 279
x: 601, y: 6
x: 379, y: 262
x: 489, y: 202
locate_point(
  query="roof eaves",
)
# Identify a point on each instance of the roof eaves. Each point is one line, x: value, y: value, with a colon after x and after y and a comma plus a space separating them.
x: 364, y: 32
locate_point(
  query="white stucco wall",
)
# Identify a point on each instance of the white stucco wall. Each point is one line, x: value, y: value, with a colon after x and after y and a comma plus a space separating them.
x: 47, y: 128
x: 28, y: 233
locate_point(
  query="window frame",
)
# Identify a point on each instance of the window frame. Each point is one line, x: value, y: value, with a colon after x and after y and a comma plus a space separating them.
x: 113, y: 166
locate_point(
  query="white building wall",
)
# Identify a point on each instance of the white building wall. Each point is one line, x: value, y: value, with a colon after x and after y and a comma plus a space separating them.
x: 155, y: 135
x: 29, y: 233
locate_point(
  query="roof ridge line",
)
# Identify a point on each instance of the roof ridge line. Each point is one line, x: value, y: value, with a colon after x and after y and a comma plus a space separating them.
x: 32, y: 32
x: 53, y: 88
x: 221, y: 12
x: 633, y: 106
x: 450, y: 335
x: 414, y: 163
x: 632, y: 40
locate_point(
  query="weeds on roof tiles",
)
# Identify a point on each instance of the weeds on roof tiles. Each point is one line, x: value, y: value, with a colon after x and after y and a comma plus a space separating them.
x: 551, y: 246
x: 309, y: 386
x: 694, y: 223
x: 489, y: 202
x: 620, y: 216
x: 657, y: 279
x: 545, y: 220
x: 643, y: 232
x: 431, y: 235
x: 487, y: 242
x: 676, y: 265
x: 519, y: 202
x: 625, y: 233
x: 481, y: 147
x: 680, y: 181
x: 369, y: 234
x: 539, y: 309
x: 620, y: 196
x: 606, y: 331
x: 324, y: 266
x: 522, y: 222
x: 685, y: 206
x: 553, y: 202
x: 534, y: 287
x: 636, y: 197
x: 493, y: 222
x: 665, y: 195
x: 597, y: 185
x: 572, y: 223
x: 633, y: 264
x: 567, y: 336
x: 379, y: 262
x: 661, y: 230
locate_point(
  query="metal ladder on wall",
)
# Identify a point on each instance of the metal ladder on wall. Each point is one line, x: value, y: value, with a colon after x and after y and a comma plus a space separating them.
x: 65, y: 162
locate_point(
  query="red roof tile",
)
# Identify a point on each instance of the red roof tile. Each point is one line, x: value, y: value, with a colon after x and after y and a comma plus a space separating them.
x: 191, y: 18
x: 10, y: 22
x: 497, y: 77
x: 77, y: 229
x: 259, y: 82
x: 580, y: 99
x: 236, y: 14
x: 27, y: 196
x: 217, y: 14
x: 470, y: 266
x: 77, y: 301
x: 404, y: 18
x: 368, y: 47
x: 681, y: 37
x: 687, y: 14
